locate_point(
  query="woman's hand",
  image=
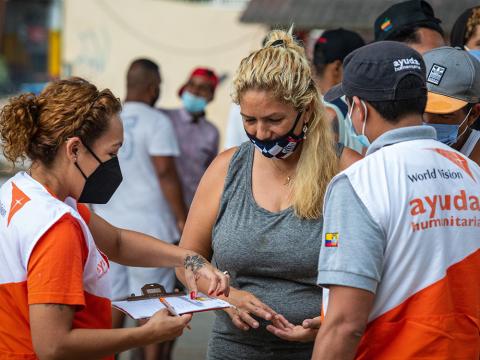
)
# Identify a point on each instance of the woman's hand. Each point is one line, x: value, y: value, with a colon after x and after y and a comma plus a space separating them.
x: 285, y: 330
x: 162, y: 326
x: 196, y: 267
x: 247, y: 305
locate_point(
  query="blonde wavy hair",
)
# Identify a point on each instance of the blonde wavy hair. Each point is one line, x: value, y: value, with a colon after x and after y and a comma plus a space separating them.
x: 284, y: 70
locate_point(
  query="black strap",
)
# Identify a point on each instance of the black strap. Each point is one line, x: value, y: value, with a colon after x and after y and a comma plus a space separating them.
x: 279, y: 42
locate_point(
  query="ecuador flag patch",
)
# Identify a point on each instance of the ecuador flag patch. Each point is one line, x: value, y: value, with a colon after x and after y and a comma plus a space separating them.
x: 331, y: 239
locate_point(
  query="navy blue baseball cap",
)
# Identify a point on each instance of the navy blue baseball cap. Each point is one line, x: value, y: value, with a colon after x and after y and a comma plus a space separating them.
x: 411, y: 13
x: 373, y: 72
x: 336, y: 45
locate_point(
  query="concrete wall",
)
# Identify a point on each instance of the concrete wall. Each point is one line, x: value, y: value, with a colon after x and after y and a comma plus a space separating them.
x: 101, y: 37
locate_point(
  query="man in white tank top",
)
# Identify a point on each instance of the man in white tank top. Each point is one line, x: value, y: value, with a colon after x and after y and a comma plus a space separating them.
x: 400, y: 252
x: 453, y: 82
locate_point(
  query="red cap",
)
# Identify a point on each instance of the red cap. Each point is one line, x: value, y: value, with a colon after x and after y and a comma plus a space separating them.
x: 204, y: 72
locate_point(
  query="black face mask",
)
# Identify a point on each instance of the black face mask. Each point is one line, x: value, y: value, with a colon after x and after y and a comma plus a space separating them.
x: 102, y: 183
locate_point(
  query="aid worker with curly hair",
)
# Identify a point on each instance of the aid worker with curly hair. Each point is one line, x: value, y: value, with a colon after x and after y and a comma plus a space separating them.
x: 54, y: 280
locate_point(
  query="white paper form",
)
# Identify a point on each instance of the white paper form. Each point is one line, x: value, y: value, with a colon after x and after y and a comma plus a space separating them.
x: 141, y: 309
x: 184, y: 305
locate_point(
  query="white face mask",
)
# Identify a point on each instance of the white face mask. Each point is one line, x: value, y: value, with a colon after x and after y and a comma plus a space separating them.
x: 362, y: 139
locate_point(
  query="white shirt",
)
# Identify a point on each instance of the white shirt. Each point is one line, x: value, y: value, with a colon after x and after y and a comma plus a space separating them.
x: 235, y: 130
x: 471, y: 142
x: 139, y: 204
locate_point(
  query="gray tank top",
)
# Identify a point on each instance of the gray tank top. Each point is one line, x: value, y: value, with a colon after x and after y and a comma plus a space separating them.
x: 272, y: 255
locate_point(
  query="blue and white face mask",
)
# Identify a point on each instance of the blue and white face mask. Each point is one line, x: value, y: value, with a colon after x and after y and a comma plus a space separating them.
x: 282, y: 147
x: 447, y: 133
x: 193, y: 104
x: 362, y: 138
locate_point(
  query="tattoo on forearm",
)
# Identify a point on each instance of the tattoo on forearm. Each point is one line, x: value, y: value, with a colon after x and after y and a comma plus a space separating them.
x: 194, y: 262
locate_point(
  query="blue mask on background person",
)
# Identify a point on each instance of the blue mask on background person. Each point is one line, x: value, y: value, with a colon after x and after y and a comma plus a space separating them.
x: 193, y: 104
x: 362, y: 139
x: 447, y: 133
x: 283, y: 146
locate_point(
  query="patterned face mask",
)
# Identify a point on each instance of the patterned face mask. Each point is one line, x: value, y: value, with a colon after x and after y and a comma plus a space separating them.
x: 283, y: 146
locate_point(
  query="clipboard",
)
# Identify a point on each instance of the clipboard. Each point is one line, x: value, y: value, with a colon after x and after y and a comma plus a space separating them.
x: 153, y: 299
x: 152, y: 291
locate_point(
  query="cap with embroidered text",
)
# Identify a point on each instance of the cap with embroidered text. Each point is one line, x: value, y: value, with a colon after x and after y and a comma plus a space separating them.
x: 373, y: 72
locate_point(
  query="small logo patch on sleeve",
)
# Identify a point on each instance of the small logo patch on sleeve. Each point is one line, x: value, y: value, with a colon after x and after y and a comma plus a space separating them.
x: 331, y: 239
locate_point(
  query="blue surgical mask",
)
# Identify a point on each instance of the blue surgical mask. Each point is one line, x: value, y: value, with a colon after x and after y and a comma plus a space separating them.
x: 193, y: 104
x: 447, y: 133
x: 283, y: 146
x: 362, y: 138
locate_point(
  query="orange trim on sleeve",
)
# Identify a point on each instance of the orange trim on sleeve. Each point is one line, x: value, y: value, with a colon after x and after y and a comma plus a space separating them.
x: 84, y: 212
x: 55, y: 268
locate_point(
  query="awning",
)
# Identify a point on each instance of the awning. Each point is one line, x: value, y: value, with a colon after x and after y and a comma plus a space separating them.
x: 328, y: 14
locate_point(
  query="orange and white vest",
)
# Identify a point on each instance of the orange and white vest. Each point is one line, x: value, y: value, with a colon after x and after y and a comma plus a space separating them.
x: 425, y: 197
x: 27, y: 212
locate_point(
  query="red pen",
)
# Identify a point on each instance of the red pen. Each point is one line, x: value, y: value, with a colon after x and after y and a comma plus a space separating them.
x: 171, y: 310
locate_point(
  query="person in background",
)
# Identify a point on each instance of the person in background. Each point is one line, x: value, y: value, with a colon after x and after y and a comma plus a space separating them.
x: 400, y: 250
x: 149, y: 199
x: 329, y: 52
x: 198, y: 138
x: 466, y: 30
x: 412, y: 22
x: 235, y: 135
x: 453, y: 82
x: 54, y: 252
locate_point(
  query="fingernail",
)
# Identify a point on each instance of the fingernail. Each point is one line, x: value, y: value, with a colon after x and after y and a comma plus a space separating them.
x: 193, y: 295
x: 220, y: 293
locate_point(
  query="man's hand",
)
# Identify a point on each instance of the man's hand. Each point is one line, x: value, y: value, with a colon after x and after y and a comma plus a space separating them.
x: 312, y: 323
x: 285, y: 330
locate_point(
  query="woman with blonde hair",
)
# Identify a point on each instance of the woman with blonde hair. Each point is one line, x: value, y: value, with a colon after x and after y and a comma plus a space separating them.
x: 54, y: 253
x: 258, y: 209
